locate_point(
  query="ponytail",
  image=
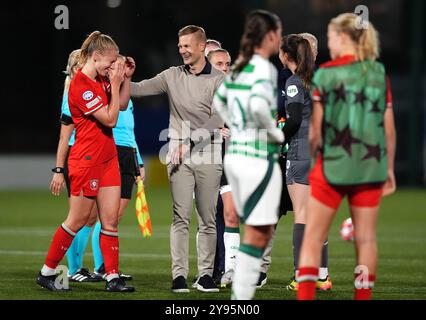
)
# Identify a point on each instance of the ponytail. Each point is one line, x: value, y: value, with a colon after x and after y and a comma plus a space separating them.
x: 84, y: 51
x: 305, y: 62
x: 299, y: 51
x: 368, y: 47
x: 246, y: 52
x: 96, y: 41
x: 258, y: 24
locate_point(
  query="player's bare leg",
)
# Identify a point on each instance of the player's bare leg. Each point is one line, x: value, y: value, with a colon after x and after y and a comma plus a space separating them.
x: 299, y: 195
x: 365, y: 222
x: 79, y: 213
x: 93, y: 216
x: 75, y: 253
x: 108, y: 202
x: 123, y: 205
x: 99, y: 263
x: 318, y: 223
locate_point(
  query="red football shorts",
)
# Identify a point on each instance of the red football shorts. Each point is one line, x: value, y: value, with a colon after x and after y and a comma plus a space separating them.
x: 367, y: 195
x: 89, y: 180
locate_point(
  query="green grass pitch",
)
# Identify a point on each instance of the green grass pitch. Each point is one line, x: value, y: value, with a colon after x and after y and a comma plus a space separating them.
x: 28, y: 220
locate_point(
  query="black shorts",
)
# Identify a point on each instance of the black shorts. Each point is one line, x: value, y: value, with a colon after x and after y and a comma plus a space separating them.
x: 297, y: 171
x: 128, y: 167
x: 126, y: 160
x: 285, y: 201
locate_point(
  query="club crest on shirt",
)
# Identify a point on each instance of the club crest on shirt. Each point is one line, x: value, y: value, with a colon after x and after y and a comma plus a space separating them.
x: 87, y: 95
x: 94, y: 184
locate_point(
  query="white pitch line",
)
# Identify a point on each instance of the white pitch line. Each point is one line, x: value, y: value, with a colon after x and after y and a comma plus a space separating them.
x: 124, y: 254
x: 48, y: 232
x: 128, y: 255
x: 163, y: 256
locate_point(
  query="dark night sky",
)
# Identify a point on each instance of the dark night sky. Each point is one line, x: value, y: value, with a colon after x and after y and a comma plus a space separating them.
x: 34, y: 53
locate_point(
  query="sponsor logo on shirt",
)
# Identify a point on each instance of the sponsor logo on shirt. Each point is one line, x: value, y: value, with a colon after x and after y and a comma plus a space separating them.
x: 292, y: 91
x: 94, y: 183
x: 87, y: 95
x: 92, y: 103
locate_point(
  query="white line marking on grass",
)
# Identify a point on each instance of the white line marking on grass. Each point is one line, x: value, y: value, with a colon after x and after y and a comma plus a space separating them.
x: 124, y: 254
x: 164, y: 256
x: 165, y: 234
x: 50, y: 232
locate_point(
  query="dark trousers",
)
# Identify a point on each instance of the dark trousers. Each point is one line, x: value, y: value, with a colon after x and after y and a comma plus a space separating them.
x: 219, y: 261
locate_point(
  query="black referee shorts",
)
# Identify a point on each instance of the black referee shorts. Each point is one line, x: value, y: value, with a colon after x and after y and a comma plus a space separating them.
x: 297, y: 171
x: 126, y: 160
x: 128, y: 169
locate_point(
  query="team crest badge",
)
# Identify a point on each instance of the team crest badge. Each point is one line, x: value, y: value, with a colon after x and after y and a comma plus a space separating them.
x: 87, y: 95
x: 94, y: 184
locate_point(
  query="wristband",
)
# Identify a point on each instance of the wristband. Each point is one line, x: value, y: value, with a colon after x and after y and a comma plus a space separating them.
x: 58, y: 170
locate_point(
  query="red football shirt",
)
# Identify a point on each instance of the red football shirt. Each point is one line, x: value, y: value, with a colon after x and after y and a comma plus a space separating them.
x: 94, y: 142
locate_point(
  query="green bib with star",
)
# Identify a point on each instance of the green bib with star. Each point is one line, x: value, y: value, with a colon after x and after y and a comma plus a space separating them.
x: 354, y: 100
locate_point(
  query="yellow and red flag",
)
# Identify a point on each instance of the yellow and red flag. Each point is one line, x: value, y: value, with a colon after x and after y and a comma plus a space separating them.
x: 142, y: 212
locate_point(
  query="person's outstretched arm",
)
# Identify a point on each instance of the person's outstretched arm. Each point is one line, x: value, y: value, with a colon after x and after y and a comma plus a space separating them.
x: 129, y: 70
x: 149, y: 87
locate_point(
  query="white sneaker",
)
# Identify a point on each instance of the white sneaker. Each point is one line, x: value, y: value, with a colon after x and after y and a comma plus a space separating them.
x: 226, y: 280
x: 194, y: 284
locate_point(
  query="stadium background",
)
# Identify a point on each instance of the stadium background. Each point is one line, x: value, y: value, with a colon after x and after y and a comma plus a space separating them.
x: 34, y: 53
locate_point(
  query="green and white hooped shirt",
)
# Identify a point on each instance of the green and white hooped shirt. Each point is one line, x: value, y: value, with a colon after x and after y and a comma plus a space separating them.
x: 248, y: 105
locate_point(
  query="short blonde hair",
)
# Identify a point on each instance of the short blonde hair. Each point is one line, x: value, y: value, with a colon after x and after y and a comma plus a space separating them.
x: 220, y: 50
x: 201, y: 34
x: 214, y: 42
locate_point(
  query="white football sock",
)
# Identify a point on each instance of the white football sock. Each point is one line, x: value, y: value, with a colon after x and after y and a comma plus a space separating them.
x: 323, y: 273
x: 232, y: 244
x: 46, y: 271
x: 112, y: 276
x: 247, y: 271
